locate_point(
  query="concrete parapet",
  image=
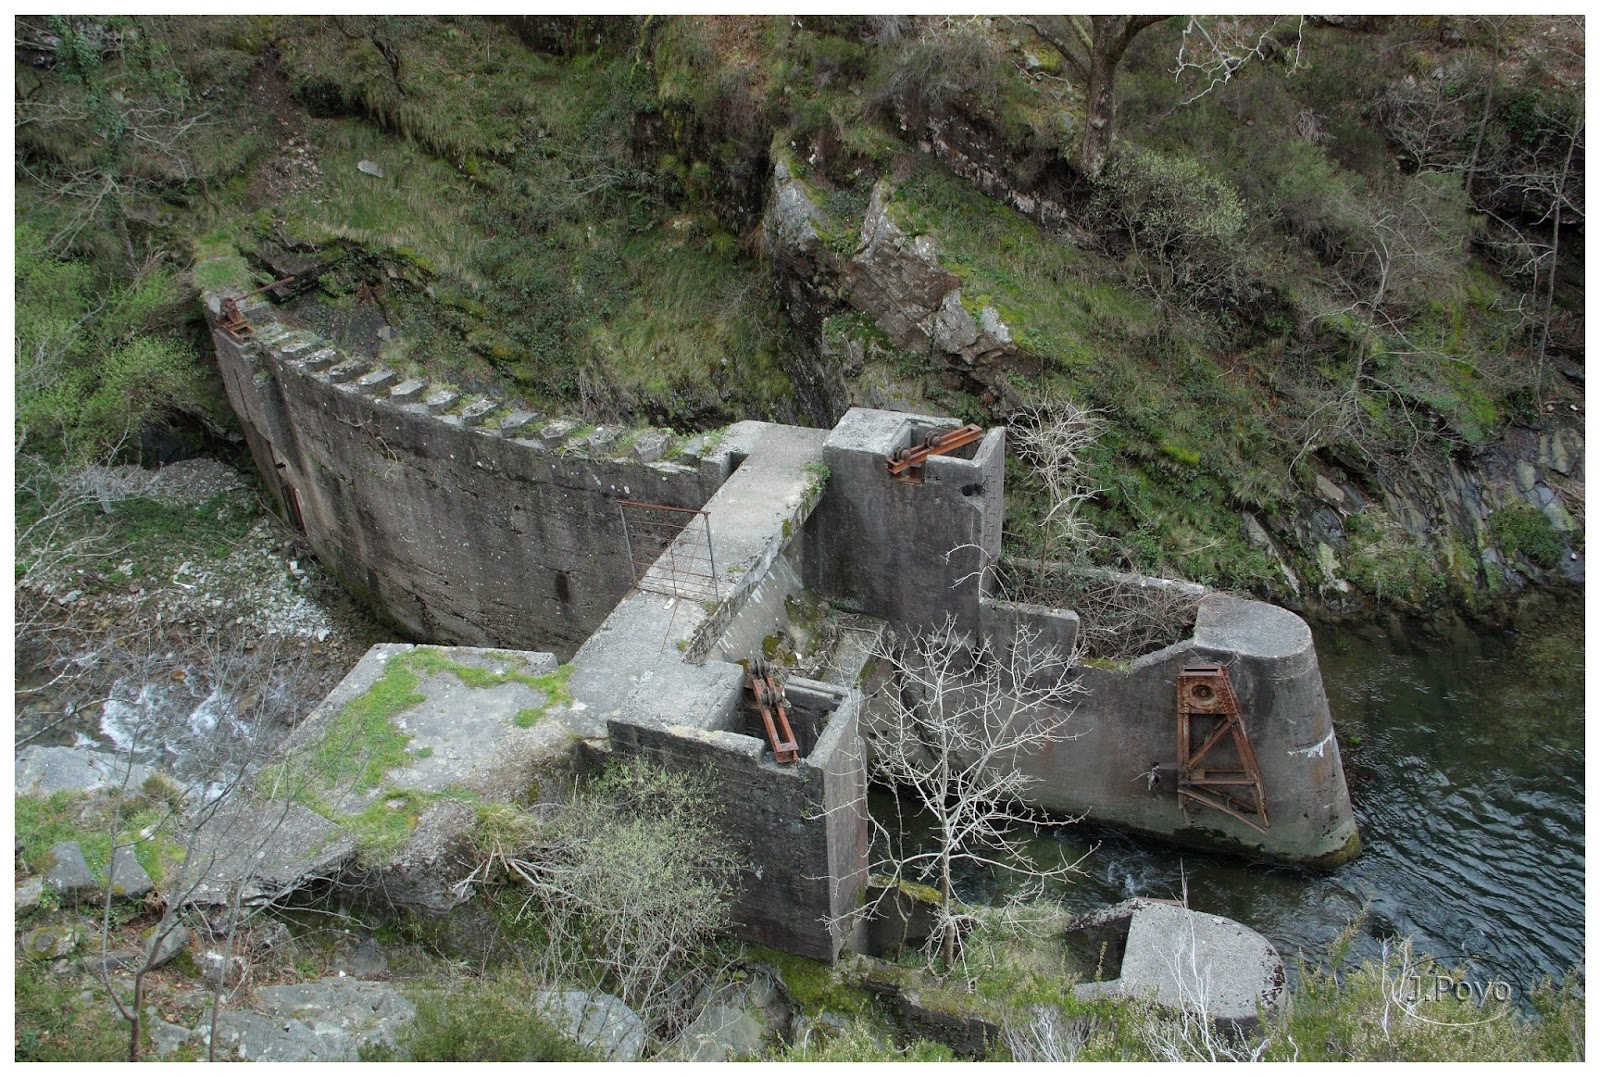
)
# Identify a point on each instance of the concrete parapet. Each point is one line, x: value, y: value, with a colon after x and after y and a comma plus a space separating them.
x: 1126, y: 718
x: 909, y: 552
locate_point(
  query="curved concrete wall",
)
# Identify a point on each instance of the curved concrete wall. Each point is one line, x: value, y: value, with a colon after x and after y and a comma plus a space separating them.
x: 1124, y: 720
x: 457, y: 519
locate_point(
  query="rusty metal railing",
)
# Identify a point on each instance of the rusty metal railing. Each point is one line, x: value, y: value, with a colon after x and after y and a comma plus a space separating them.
x: 670, y: 550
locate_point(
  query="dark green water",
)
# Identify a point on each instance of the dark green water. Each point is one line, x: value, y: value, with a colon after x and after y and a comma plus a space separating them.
x: 1465, y: 758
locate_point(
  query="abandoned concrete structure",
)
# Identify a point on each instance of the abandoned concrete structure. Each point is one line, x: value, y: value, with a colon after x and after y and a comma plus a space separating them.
x: 661, y: 567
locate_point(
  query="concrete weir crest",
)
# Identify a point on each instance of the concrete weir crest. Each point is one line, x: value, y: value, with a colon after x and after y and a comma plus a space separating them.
x: 480, y: 523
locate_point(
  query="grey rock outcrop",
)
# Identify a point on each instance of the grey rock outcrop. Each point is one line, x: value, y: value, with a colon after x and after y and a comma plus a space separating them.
x: 68, y: 874
x: 330, y: 1020
x: 603, y: 1023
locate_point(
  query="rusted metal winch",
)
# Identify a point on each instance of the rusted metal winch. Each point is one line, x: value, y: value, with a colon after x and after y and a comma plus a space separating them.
x: 231, y: 320
x: 774, y: 707
x: 906, y: 463
x: 1209, y: 721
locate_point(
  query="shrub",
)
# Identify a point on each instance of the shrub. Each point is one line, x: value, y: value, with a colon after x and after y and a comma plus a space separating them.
x: 1524, y: 530
x: 629, y: 884
x: 1184, y: 224
x: 488, y: 1020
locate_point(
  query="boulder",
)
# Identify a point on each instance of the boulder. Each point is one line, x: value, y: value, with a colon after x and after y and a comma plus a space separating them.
x: 739, y: 1021
x: 170, y: 946
x: 329, y: 1020
x: 128, y: 877
x: 30, y: 893
x: 603, y: 1023
x: 48, y: 942
x: 165, y: 1036
x: 46, y: 769
x: 68, y: 874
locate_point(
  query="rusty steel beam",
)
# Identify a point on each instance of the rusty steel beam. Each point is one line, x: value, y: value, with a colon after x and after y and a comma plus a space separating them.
x: 907, y: 462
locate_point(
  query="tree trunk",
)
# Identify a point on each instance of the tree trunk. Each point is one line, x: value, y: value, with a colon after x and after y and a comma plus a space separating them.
x: 1110, y: 36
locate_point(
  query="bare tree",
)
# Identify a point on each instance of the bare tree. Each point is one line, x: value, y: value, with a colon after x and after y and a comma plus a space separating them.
x: 949, y: 731
x: 1053, y: 434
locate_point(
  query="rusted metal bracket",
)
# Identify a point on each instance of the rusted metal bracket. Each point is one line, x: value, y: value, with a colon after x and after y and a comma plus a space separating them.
x: 774, y: 708
x: 231, y: 320
x: 906, y: 464
x: 1208, y: 715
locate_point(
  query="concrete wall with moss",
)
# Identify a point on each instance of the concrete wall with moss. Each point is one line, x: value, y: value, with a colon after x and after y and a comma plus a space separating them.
x: 1125, y: 718
x: 801, y: 828
x: 459, y: 518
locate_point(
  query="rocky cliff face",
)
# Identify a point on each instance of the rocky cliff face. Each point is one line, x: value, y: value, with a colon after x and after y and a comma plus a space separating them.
x: 895, y: 279
x: 1414, y: 534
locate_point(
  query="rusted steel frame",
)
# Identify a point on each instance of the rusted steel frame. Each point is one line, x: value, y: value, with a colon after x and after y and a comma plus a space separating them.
x: 1221, y: 807
x: 231, y: 319
x: 1223, y: 706
x: 779, y: 733
x: 913, y: 456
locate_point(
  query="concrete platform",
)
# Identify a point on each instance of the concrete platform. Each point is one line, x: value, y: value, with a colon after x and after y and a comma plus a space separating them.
x: 1186, y: 960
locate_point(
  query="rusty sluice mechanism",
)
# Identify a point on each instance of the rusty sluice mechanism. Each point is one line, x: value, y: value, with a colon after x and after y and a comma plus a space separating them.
x: 767, y: 689
x: 906, y: 464
x: 231, y: 320
x: 1208, y: 715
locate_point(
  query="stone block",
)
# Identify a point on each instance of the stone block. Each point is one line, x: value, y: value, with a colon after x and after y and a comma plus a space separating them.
x: 517, y: 422
x: 556, y: 431
x: 346, y: 372
x: 321, y: 359
x: 476, y: 412
x: 375, y: 382
x: 409, y: 391
x: 652, y: 445
x: 440, y: 400
x: 603, y: 439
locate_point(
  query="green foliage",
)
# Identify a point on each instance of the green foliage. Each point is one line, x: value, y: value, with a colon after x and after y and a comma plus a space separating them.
x: 53, y: 1025
x: 97, y: 356
x: 1183, y: 221
x: 1523, y: 531
x: 485, y: 1020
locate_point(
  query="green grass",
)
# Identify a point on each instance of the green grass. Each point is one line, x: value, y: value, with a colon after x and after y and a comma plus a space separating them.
x: 42, y: 822
x: 485, y: 1020
x: 1523, y: 531
x: 53, y: 1025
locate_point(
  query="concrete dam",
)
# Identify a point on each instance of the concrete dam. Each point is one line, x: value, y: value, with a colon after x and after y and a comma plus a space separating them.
x: 659, y: 568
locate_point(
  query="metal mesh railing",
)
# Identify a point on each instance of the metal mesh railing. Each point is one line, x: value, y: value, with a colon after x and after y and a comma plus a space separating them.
x: 670, y: 549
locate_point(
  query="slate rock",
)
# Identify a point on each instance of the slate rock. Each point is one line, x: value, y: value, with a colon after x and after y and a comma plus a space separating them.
x: 128, y: 877
x: 603, y: 1023
x: 68, y: 874
x: 329, y: 1020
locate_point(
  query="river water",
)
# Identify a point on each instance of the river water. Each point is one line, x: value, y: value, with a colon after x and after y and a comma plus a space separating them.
x: 1465, y: 758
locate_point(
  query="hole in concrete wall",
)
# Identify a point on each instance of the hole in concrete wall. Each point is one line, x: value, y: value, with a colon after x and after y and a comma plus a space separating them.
x: 1097, y: 949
